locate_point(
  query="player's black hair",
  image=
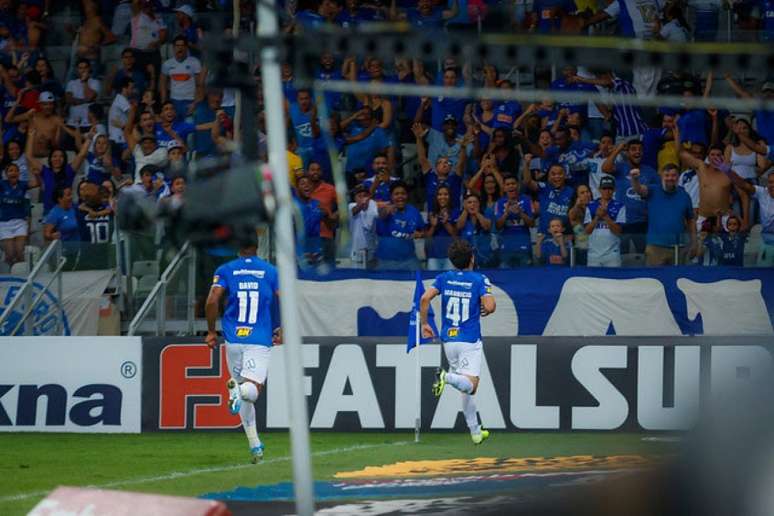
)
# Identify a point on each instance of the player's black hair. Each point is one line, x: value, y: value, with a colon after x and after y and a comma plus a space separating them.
x: 506, y: 177
x: 248, y: 241
x: 460, y: 253
x: 379, y: 155
x: 180, y: 37
x: 607, y: 134
x: 81, y: 61
x: 634, y: 141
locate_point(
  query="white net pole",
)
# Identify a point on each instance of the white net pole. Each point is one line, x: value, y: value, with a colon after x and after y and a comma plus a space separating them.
x: 286, y: 263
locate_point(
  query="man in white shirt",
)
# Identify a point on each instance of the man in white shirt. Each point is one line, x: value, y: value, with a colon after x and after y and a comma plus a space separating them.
x: 604, y: 222
x: 181, y: 79
x: 118, y: 116
x: 364, y: 213
x: 79, y: 95
x: 148, y: 152
x: 149, y: 32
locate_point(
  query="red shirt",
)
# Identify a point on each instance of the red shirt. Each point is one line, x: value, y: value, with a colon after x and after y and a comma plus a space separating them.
x: 325, y: 193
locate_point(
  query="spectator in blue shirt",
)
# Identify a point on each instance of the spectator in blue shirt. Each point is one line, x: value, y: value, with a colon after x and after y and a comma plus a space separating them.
x: 61, y: 223
x: 325, y: 14
x: 399, y: 223
x: 441, y: 230
x: 169, y: 128
x: 513, y: 218
x: 442, y: 173
x: 725, y: 247
x: 442, y: 107
x: 636, y: 207
x: 379, y: 185
x: 547, y: 14
x: 129, y: 69
x: 100, y: 165
x: 58, y: 174
x: 302, y: 114
x: 425, y: 15
x: 555, y: 197
x: 14, y: 214
x: 672, y: 212
x: 476, y: 227
x: 364, y: 140
x: 309, y: 246
x: 204, y: 120
x: 554, y: 250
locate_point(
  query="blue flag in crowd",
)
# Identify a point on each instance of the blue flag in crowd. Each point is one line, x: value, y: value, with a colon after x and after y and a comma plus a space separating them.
x: 419, y: 291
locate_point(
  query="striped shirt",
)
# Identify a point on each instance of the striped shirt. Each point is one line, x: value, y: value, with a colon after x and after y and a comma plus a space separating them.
x: 628, y: 120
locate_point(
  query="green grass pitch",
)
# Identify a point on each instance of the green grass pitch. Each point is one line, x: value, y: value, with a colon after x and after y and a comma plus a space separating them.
x: 194, y: 463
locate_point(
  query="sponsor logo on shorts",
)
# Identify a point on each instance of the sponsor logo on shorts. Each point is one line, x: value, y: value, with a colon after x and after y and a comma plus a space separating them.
x: 243, y: 331
x: 453, y: 332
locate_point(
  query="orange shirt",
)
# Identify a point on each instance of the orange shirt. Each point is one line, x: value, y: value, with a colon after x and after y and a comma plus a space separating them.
x: 325, y: 193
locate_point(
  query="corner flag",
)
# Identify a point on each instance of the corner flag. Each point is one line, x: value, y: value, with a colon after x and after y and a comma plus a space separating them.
x: 415, y: 330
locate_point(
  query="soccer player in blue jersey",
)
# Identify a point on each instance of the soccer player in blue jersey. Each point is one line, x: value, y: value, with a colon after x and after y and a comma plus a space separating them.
x: 249, y: 285
x: 466, y: 296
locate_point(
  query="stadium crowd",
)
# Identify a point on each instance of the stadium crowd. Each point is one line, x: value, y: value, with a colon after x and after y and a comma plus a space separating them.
x: 542, y: 183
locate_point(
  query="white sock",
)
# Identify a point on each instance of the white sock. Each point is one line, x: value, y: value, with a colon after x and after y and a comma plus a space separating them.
x: 249, y: 391
x: 247, y: 415
x: 471, y: 413
x: 459, y: 382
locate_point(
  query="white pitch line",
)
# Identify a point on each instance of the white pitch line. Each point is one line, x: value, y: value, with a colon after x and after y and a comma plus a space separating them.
x: 193, y: 472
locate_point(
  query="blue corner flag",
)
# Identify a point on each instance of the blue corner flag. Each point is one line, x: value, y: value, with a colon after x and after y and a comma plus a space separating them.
x: 419, y: 290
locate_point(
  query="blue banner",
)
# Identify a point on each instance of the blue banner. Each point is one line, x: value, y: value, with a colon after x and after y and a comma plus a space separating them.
x: 558, y: 301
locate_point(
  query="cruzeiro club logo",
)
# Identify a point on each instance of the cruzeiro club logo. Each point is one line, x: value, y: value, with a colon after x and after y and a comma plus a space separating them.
x: 43, y: 318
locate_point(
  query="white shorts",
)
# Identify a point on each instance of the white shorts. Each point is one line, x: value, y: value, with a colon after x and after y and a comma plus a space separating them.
x: 248, y: 362
x: 464, y: 357
x: 13, y: 228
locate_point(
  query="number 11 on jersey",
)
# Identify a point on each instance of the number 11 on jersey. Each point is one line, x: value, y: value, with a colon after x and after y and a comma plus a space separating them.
x: 248, y: 302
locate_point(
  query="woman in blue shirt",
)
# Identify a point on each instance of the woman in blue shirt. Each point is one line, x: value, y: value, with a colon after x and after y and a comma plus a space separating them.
x: 62, y: 221
x: 441, y: 230
x: 58, y: 174
x: 100, y: 163
x: 14, y: 215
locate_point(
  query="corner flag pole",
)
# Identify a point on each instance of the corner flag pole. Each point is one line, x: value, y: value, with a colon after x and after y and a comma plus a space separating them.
x: 418, y: 380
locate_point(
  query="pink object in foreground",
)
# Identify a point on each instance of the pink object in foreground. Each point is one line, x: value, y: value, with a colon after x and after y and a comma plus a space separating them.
x: 96, y: 502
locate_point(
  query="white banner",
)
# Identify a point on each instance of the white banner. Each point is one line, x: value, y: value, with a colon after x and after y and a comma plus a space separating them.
x: 81, y: 294
x: 70, y: 384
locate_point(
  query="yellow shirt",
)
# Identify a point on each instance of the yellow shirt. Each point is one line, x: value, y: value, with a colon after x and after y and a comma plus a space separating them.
x: 295, y: 167
x: 668, y: 154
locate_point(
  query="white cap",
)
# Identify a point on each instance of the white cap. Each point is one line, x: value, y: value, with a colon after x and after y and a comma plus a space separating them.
x: 187, y: 10
x: 46, y: 96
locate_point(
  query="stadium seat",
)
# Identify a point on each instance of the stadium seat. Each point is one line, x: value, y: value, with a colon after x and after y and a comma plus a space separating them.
x: 33, y: 252
x: 145, y: 275
x: 753, y: 246
x: 20, y: 269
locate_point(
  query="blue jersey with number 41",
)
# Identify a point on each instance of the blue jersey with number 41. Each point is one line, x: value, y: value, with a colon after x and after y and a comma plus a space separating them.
x: 461, y: 293
x: 250, y: 285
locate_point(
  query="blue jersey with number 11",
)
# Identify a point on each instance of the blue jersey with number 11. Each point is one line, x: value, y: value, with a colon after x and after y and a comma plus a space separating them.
x: 461, y: 293
x: 250, y: 284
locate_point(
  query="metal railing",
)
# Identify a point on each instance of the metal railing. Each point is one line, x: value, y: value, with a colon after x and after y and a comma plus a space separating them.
x: 24, y: 295
x: 158, y: 296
